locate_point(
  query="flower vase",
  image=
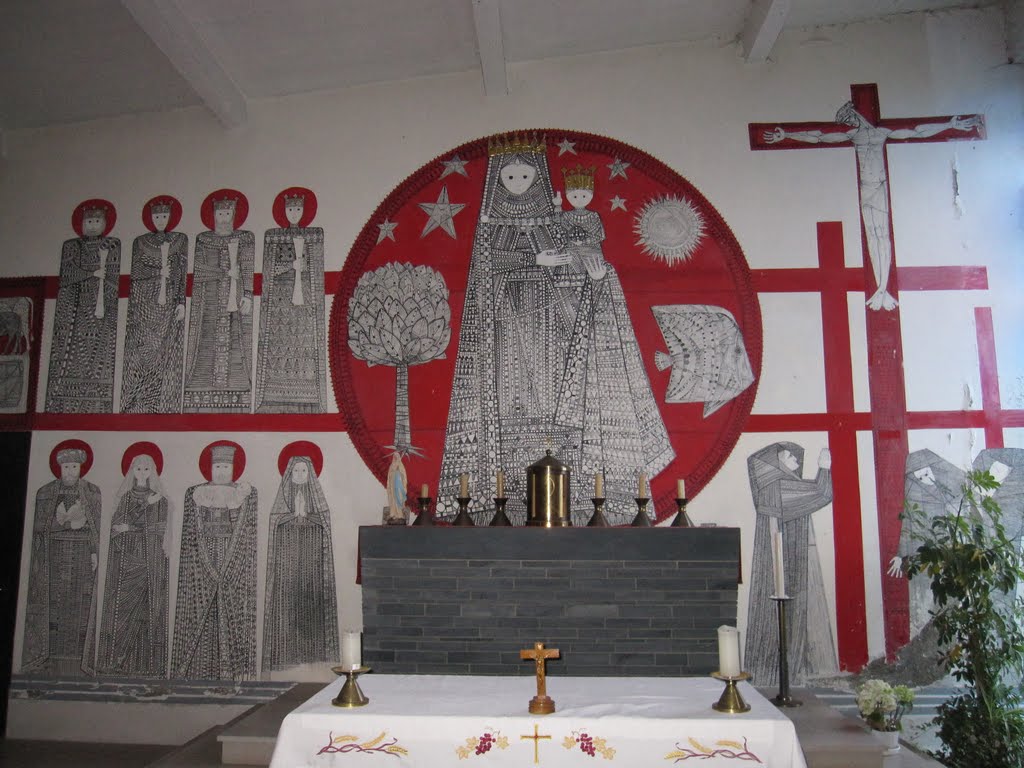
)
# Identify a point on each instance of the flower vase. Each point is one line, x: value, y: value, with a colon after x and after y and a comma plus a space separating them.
x: 891, y: 741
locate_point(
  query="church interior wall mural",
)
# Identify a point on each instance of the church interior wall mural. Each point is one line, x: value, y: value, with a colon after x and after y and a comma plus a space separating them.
x: 213, y: 414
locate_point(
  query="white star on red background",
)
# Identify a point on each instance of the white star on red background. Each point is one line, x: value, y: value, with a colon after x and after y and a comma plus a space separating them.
x: 441, y: 214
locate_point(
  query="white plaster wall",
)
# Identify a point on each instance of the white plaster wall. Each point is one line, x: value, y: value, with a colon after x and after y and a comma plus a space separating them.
x: 689, y: 106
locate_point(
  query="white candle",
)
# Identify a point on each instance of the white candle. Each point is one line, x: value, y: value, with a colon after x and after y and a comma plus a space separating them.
x: 500, y: 484
x: 599, y: 486
x: 778, y: 566
x: 351, y: 646
x: 463, y: 486
x: 424, y: 491
x: 680, y: 489
x: 641, y: 490
x: 728, y: 651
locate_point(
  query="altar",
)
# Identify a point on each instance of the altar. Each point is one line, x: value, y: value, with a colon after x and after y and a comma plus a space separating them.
x: 436, y: 721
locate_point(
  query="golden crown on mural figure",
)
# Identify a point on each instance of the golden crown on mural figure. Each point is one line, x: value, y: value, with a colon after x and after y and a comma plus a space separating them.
x: 160, y: 207
x: 579, y: 177
x: 296, y: 199
x: 516, y: 144
x: 224, y: 204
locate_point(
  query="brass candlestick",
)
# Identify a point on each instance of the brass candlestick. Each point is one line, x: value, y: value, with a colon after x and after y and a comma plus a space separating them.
x: 783, y: 699
x: 463, y: 518
x: 641, y: 520
x: 682, y: 519
x: 350, y: 695
x: 598, y: 519
x: 424, y: 517
x: 731, y: 702
x: 500, y: 519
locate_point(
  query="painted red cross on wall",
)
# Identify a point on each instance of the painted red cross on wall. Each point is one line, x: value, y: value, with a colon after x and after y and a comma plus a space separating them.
x: 863, y: 128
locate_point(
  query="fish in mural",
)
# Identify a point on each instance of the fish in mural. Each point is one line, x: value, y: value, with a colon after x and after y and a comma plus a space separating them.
x: 706, y: 353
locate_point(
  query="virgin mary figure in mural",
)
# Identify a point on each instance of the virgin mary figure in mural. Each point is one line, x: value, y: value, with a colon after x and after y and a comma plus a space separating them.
x: 155, y: 338
x: 291, y: 374
x: 133, y: 630
x: 547, y: 356
x: 300, y: 623
x: 785, y: 502
x: 60, y: 615
x: 80, y: 378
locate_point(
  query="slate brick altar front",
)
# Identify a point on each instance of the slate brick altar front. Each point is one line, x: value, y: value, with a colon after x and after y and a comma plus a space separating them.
x: 615, y: 601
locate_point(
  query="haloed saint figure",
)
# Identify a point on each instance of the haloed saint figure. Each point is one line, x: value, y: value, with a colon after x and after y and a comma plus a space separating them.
x: 300, y: 624
x: 218, y: 374
x: 60, y: 615
x: 291, y: 374
x: 155, y: 336
x: 80, y: 378
x: 547, y: 354
x: 215, y: 614
x: 133, y: 629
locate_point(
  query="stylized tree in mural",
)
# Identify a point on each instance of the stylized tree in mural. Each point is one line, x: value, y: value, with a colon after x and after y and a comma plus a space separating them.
x: 399, y: 315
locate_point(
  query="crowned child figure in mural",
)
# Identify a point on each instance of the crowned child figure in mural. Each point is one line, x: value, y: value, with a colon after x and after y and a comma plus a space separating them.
x: 133, y: 628
x: 60, y: 614
x: 215, y: 615
x: 300, y: 623
x: 218, y: 375
x: 155, y: 338
x: 291, y: 374
x: 785, y: 503
x: 547, y: 355
x: 80, y: 378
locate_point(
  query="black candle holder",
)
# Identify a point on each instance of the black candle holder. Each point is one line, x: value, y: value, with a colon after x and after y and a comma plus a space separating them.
x: 784, y: 698
x: 598, y: 520
x: 463, y: 520
x: 424, y: 517
x: 641, y: 520
x: 500, y: 519
x: 682, y: 519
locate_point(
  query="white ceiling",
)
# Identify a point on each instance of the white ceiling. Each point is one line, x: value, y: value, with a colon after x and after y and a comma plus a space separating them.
x: 72, y: 60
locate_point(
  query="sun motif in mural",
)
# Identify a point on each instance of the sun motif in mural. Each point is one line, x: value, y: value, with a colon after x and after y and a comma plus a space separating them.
x: 669, y: 228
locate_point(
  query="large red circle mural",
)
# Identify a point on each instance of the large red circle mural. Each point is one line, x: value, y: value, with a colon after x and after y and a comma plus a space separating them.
x: 546, y: 289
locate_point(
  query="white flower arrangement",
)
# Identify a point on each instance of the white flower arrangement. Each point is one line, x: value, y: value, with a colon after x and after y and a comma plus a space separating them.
x: 882, y: 705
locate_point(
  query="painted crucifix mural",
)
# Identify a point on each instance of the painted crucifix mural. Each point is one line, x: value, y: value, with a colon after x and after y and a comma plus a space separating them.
x: 860, y: 126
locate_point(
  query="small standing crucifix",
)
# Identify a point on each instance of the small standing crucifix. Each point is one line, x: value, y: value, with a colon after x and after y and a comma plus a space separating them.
x: 541, y: 704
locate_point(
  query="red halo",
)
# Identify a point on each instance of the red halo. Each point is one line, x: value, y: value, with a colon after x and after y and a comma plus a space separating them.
x: 138, y: 449
x: 80, y: 444
x: 95, y: 202
x: 301, y: 448
x: 241, y: 206
x: 206, y: 459
x: 308, y: 207
x: 172, y: 221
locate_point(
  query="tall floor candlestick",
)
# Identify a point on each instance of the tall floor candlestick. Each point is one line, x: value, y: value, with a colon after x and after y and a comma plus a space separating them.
x: 783, y: 699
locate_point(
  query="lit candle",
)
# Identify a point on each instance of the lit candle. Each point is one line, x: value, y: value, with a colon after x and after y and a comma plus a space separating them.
x: 680, y: 489
x: 778, y: 565
x: 500, y: 484
x: 728, y: 651
x: 463, y: 485
x: 599, y: 486
x: 424, y: 491
x: 351, y: 646
x: 642, y: 487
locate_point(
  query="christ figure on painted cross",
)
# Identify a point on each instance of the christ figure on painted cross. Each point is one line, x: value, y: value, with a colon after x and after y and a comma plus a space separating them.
x: 869, y: 140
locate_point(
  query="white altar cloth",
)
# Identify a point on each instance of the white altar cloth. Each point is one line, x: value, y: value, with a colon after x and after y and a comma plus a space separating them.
x: 435, y: 721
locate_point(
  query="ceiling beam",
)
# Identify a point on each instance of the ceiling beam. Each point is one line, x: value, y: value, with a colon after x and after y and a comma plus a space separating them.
x: 762, y: 28
x: 179, y: 39
x: 489, y: 42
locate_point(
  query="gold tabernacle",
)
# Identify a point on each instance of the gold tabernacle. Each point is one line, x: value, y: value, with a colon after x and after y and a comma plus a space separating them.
x: 547, y: 493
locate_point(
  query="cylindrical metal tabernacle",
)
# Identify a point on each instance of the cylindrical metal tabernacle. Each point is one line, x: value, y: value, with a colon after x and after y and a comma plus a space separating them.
x: 547, y: 493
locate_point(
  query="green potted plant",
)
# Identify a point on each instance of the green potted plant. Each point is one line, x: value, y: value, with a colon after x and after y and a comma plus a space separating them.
x: 974, y: 569
x: 882, y: 706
